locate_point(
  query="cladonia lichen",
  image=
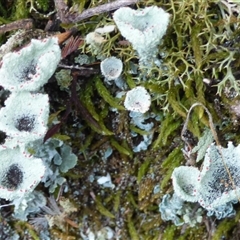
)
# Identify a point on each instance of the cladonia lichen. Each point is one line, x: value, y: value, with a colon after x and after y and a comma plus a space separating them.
x: 144, y: 29
x: 31, y: 67
x: 19, y: 173
x: 28, y: 121
x: 138, y: 100
x: 216, y: 184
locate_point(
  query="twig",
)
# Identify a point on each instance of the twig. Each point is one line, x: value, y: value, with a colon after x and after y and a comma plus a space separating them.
x: 77, y: 17
x: 62, y: 9
x: 20, y: 24
x: 94, y: 71
x: 184, y: 129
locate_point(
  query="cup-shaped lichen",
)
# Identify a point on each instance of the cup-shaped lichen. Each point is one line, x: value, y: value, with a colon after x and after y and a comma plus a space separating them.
x: 218, y: 182
x: 220, y: 176
x: 25, y: 116
x: 31, y: 67
x: 137, y: 100
x: 144, y: 29
x: 111, y: 68
x: 18, y: 173
x: 185, y: 183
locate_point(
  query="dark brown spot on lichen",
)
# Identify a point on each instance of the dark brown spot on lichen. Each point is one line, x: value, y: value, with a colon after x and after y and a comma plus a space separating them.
x: 3, y: 137
x: 28, y: 72
x: 13, y: 177
x: 25, y: 123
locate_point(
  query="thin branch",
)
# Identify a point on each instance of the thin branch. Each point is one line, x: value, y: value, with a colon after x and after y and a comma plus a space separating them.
x: 20, y: 24
x: 82, y: 71
x: 77, y: 17
x: 211, y: 125
x: 62, y: 9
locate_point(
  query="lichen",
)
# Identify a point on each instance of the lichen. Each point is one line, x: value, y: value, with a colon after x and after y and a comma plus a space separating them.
x: 111, y: 68
x: 18, y: 175
x: 144, y: 28
x: 29, y: 120
x: 197, y: 60
x: 58, y: 158
x: 31, y: 67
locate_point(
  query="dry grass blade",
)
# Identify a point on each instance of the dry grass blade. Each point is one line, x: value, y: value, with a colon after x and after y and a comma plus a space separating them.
x: 71, y: 46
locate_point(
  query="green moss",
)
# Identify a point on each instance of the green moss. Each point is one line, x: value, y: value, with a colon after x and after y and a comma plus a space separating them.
x: 122, y: 148
x: 86, y: 97
x: 167, y: 127
x: 104, y: 93
x: 20, y: 10
x: 131, y: 228
x: 42, y: 4
x: 172, y: 161
x: 224, y: 229
x: 143, y: 169
x: 21, y: 226
x: 102, y: 209
x: 169, y: 233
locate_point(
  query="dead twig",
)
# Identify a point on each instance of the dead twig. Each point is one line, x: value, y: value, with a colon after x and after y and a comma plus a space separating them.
x: 66, y: 17
x: 62, y: 10
x: 83, y: 71
x: 20, y: 24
